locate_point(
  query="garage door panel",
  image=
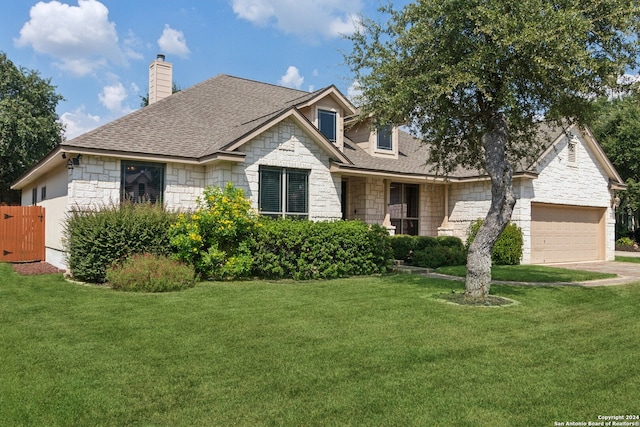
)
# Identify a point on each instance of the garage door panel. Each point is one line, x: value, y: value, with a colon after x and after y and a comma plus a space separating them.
x: 566, y: 233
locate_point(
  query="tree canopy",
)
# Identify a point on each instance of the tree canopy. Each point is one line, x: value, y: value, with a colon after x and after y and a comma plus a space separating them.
x: 616, y: 126
x: 29, y: 126
x: 473, y: 79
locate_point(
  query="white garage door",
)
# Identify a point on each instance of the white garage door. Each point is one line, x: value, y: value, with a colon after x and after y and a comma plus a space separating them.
x: 562, y: 233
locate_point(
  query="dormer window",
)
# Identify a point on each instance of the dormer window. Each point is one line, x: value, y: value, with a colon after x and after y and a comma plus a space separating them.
x: 327, y: 121
x: 384, y: 138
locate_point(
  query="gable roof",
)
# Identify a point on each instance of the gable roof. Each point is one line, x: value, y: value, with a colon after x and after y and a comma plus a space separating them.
x: 213, y: 119
x: 412, y: 156
x: 204, y: 119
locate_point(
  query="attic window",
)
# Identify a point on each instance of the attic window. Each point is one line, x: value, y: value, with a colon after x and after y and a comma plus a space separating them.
x: 384, y: 138
x: 327, y: 124
x: 142, y: 182
x: 572, y: 152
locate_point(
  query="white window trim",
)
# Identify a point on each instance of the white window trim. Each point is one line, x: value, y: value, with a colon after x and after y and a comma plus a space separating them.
x: 383, y: 151
x: 337, y: 117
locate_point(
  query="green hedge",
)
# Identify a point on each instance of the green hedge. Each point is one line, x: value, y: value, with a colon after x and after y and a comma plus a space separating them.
x: 319, y: 250
x: 508, y: 247
x: 439, y: 256
x: 95, y: 239
x: 426, y: 251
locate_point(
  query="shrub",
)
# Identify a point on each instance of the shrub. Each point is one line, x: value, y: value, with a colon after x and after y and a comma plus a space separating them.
x: 297, y: 249
x: 438, y: 256
x: 507, y: 249
x: 96, y: 239
x: 426, y: 251
x: 451, y: 242
x: 402, y: 246
x: 625, y: 241
x: 150, y: 273
x: 214, y: 238
x: 423, y: 242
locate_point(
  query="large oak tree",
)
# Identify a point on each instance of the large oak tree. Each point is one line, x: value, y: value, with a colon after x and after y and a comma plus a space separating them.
x: 617, y: 128
x: 473, y: 78
x: 29, y: 126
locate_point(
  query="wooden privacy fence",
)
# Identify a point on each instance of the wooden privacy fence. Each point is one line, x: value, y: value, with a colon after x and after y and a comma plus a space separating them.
x: 21, y: 233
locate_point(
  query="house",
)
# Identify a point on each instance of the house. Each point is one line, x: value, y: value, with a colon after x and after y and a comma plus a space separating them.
x: 305, y: 155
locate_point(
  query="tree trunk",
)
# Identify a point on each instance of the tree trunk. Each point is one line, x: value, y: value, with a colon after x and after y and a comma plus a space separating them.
x: 503, y: 199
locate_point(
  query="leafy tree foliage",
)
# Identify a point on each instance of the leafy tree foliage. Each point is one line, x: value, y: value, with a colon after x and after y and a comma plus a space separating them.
x: 28, y: 122
x: 617, y: 127
x: 471, y: 78
x: 144, y: 100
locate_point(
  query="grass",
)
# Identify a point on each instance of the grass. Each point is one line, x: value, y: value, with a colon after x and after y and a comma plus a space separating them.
x: 360, y: 351
x: 531, y: 273
x: 628, y: 259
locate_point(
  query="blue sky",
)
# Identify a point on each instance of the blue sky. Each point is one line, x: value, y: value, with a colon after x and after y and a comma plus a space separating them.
x: 97, y: 52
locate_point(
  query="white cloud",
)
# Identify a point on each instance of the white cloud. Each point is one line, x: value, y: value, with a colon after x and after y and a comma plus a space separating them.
x: 80, y: 38
x: 131, y: 44
x: 292, y: 78
x: 306, y: 18
x: 173, y: 42
x: 113, y: 96
x: 78, y: 122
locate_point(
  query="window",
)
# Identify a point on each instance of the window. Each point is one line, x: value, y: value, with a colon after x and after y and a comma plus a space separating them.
x: 34, y: 196
x: 142, y: 182
x: 384, y: 135
x: 327, y: 124
x: 43, y: 193
x: 403, y: 208
x: 284, y: 192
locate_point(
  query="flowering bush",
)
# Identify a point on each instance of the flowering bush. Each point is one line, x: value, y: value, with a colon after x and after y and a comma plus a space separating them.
x: 214, y: 238
x: 150, y: 273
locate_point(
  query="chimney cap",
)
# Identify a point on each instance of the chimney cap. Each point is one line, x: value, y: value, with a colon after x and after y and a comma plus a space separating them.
x: 160, y: 57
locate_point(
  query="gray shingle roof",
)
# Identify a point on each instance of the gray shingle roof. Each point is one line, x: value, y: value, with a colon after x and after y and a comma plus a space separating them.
x: 206, y: 118
x: 195, y: 122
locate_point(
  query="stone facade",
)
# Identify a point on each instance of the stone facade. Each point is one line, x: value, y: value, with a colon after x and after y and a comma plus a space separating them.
x: 95, y: 183
x: 288, y: 146
x: 579, y: 183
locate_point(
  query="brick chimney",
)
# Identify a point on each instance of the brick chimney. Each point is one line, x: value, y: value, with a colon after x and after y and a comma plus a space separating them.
x: 160, y: 79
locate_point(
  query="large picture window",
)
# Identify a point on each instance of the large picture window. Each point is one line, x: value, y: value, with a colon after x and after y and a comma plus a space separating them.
x: 284, y: 192
x: 403, y: 207
x: 327, y: 124
x: 142, y: 182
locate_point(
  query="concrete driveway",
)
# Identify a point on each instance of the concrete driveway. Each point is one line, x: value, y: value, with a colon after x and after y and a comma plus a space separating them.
x: 627, y: 272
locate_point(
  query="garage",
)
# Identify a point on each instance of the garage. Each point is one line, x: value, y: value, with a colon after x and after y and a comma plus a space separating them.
x: 561, y: 233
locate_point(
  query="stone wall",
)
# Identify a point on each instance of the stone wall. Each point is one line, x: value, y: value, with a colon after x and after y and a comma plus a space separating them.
x: 95, y: 183
x: 583, y: 183
x: 287, y: 145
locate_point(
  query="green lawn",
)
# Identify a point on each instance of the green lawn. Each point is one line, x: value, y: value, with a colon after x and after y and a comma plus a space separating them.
x: 531, y: 273
x: 628, y: 259
x: 372, y: 351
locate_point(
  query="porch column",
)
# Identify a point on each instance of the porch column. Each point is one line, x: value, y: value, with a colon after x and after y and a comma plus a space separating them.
x: 445, y: 229
x: 386, y: 223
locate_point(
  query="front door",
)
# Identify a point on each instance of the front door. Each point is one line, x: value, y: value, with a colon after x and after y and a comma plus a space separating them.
x: 403, y: 207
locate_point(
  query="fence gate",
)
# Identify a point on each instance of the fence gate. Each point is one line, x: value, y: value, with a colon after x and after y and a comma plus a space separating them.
x: 21, y: 233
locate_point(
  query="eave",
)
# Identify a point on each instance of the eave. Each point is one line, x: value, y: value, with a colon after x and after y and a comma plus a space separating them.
x: 351, y: 170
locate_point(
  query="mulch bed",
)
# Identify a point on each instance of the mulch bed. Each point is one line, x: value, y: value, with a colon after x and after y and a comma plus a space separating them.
x: 31, y: 268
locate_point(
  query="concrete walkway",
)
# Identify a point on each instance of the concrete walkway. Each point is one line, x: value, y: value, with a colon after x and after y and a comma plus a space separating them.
x: 627, y: 273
